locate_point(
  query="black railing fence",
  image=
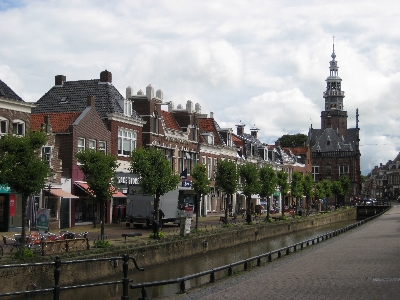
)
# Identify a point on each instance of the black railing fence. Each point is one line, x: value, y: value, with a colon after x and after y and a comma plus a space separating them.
x: 268, y: 257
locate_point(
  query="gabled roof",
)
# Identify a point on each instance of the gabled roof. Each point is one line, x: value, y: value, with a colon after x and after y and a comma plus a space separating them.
x: 330, y: 141
x: 208, y: 125
x: 59, y: 121
x: 8, y: 93
x: 71, y: 96
x: 170, y: 121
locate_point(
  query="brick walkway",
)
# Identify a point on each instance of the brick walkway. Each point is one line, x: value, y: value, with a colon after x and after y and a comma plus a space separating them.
x: 362, y: 263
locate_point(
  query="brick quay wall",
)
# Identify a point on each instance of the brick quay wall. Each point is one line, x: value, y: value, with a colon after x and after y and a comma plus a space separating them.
x: 157, y: 252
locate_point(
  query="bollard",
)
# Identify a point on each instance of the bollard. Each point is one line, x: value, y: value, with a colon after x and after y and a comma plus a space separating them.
x: 125, y: 280
x: 287, y: 251
x: 57, y: 273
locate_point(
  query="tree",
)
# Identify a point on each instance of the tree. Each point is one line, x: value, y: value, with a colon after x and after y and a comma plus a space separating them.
x: 156, y: 176
x: 250, y: 185
x: 268, y: 181
x: 22, y: 168
x: 337, y: 190
x: 200, y: 184
x: 308, y: 188
x: 296, y: 186
x: 345, y: 184
x: 99, y: 169
x: 283, y: 186
x: 293, y: 140
x: 226, y: 178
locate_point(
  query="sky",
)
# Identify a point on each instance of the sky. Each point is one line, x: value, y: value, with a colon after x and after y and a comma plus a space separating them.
x: 259, y: 63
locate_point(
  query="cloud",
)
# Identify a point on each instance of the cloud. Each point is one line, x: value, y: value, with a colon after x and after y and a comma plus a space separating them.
x: 262, y: 62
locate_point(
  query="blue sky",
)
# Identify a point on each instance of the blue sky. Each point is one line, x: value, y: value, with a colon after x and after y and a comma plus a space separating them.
x: 263, y: 63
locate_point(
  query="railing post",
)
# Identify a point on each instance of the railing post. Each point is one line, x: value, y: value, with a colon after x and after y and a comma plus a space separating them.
x: 57, y: 273
x: 144, y: 294
x: 182, y: 286
x: 245, y: 265
x: 230, y: 271
x: 212, y: 277
x: 258, y: 262
x: 125, y: 280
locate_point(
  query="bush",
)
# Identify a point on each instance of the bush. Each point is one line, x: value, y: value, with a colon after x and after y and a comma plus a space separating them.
x: 283, y: 218
x: 102, y: 244
x: 158, y: 235
x: 22, y: 252
x: 229, y: 225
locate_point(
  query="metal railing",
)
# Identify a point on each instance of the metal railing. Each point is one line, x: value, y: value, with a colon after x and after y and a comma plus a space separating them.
x: 269, y: 256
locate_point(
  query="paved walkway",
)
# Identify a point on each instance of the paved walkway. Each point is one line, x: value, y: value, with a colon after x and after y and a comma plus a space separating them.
x: 362, y: 263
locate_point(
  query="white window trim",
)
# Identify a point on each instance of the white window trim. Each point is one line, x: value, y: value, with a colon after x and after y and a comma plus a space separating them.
x: 19, y: 122
x: 7, y: 122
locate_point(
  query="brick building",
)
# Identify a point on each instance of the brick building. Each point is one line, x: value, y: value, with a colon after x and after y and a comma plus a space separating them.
x: 335, y: 147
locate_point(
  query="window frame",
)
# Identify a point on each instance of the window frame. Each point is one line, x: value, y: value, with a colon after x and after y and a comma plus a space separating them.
x: 126, y: 136
x: 20, y: 125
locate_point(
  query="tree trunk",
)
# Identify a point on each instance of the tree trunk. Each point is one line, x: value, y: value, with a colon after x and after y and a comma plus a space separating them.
x: 102, y: 210
x: 23, y: 230
x: 226, y: 209
x: 197, y: 204
x: 268, y: 206
x: 248, y: 211
x: 156, y: 206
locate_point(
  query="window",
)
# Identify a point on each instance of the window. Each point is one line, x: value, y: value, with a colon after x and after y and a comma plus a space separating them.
x: 215, y: 164
x: 155, y: 122
x: 188, y: 162
x: 181, y: 162
x: 126, y: 141
x: 128, y: 108
x: 344, y: 169
x: 92, y: 144
x: 103, y: 147
x: 209, y: 167
x: 315, y: 173
x: 18, y: 127
x: 46, y: 154
x: 81, y: 144
x: 3, y: 126
x: 203, y: 160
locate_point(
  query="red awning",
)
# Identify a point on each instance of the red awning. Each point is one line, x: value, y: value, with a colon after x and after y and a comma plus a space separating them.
x: 61, y: 193
x: 85, y: 187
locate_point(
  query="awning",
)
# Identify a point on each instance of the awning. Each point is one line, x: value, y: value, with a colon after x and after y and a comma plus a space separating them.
x: 61, y: 193
x: 85, y: 187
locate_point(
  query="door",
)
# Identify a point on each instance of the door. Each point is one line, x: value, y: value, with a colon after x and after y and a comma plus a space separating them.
x: 64, y: 213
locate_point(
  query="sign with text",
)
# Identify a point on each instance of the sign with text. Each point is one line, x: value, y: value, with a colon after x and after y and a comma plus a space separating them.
x: 12, y: 205
x: 188, y: 212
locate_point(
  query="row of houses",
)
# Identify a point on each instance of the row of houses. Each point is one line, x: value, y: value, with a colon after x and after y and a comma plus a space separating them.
x: 93, y: 114
x: 383, y: 182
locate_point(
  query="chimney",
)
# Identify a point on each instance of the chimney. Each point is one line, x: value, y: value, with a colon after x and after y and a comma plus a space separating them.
x: 240, y: 128
x: 170, y: 106
x: 60, y: 79
x: 140, y: 93
x: 46, y: 126
x: 106, y: 76
x: 160, y: 94
x: 197, y: 108
x: 189, y: 106
x: 254, y: 131
x: 90, y: 101
x: 211, y: 115
x: 129, y: 92
x: 149, y: 92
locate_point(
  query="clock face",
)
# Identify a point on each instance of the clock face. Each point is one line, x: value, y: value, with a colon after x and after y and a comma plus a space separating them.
x: 333, y: 105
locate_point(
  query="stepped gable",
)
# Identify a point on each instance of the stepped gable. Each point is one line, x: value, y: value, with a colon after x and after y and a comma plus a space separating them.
x: 8, y: 93
x: 170, y: 121
x: 59, y: 122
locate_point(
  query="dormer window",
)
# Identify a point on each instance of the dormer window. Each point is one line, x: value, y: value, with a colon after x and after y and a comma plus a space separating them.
x: 63, y: 100
x: 209, y: 138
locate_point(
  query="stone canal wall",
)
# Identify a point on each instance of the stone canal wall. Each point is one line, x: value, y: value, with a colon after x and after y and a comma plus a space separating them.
x: 160, y: 252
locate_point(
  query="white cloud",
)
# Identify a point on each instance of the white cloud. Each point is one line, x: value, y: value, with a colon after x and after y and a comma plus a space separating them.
x: 229, y: 56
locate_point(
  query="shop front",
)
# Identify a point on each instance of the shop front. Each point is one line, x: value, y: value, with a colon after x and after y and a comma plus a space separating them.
x: 10, y: 209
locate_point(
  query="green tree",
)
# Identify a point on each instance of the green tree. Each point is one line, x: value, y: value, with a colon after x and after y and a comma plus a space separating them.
x: 293, y: 140
x: 308, y: 187
x: 346, y: 185
x: 99, y: 169
x: 200, y: 184
x: 337, y: 190
x: 22, y: 168
x: 250, y: 185
x: 296, y: 187
x: 268, y: 181
x: 226, y: 178
x: 156, y: 176
x: 283, y: 187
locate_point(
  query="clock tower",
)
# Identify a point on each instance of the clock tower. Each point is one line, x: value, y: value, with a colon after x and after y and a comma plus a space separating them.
x: 334, y: 116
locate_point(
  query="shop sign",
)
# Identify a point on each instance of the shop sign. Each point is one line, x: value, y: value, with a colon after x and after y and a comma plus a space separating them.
x: 4, y: 188
x: 276, y: 194
x: 12, y: 205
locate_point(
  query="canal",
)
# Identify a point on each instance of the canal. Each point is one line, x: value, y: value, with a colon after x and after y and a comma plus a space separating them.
x: 191, y: 265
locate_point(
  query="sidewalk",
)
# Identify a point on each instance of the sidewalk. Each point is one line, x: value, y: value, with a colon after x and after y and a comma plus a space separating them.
x: 359, y: 264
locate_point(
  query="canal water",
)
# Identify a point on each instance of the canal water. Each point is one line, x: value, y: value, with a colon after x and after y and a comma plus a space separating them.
x: 191, y: 265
